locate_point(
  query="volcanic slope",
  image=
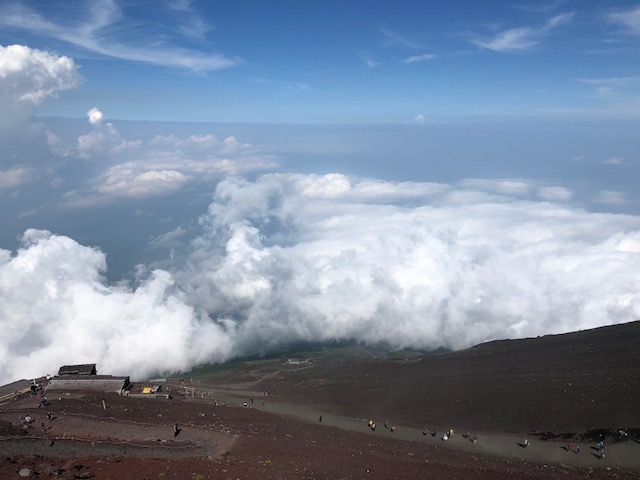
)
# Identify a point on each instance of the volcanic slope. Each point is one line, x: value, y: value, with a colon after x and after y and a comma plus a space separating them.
x: 573, y: 382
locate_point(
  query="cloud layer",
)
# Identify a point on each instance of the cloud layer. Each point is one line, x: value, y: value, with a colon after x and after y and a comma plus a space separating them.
x: 292, y: 257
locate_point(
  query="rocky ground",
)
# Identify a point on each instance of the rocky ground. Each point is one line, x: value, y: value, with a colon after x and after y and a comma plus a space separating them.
x: 283, y: 439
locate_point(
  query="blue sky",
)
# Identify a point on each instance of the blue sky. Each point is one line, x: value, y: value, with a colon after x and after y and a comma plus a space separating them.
x: 217, y: 179
x: 338, y: 62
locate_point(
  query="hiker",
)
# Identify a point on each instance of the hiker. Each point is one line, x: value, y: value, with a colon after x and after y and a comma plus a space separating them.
x: 475, y: 439
x: 577, y: 449
x: 386, y: 424
x: 370, y: 423
x: 373, y: 427
x: 320, y: 418
x: 49, y: 416
x: 176, y: 430
x: 445, y: 437
x: 393, y: 428
x: 434, y: 433
x: 526, y: 443
x: 569, y: 447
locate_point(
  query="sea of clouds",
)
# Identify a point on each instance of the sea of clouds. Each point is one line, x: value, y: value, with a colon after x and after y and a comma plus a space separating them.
x: 284, y: 257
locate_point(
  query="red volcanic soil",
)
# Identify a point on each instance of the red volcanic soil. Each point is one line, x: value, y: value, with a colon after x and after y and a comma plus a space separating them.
x: 561, y: 383
x: 134, y: 437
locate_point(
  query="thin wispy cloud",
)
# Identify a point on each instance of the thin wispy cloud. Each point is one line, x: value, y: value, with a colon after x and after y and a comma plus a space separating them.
x: 607, y: 86
x: 628, y: 19
x: 299, y: 86
x: 98, y: 34
x: 394, y: 39
x: 369, y: 62
x: 541, y: 8
x: 612, y: 198
x: 419, y: 58
x: 192, y: 24
x: 615, y: 161
x: 522, y: 38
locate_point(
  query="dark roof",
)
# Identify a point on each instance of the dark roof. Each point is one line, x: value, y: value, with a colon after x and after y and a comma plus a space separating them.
x: 104, y: 383
x: 85, y: 369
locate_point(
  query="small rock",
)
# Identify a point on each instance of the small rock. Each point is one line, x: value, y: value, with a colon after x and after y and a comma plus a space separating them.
x: 25, y: 472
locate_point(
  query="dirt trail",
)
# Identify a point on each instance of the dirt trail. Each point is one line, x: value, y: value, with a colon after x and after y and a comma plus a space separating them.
x: 620, y: 455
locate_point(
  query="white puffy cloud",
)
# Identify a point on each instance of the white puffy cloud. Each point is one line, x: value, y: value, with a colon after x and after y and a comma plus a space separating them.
x: 292, y: 266
x: 292, y: 257
x: 56, y: 308
x: 159, y: 167
x: 419, y: 119
x: 28, y: 76
x: 14, y: 178
x: 95, y: 116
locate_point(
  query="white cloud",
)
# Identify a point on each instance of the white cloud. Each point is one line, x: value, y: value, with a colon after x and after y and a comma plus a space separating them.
x: 56, y: 308
x: 396, y: 39
x: 28, y: 76
x: 192, y: 24
x: 102, y: 30
x: 95, y: 116
x: 369, y: 62
x: 604, y: 87
x: 511, y: 40
x: 522, y: 38
x: 612, y: 198
x: 419, y: 119
x: 123, y: 181
x: 14, y: 178
x: 292, y: 257
x: 344, y: 266
x: 510, y: 187
x: 629, y: 19
x: 555, y: 194
x: 159, y: 167
x: 103, y: 140
x: 171, y: 239
x: 300, y: 86
x: 419, y: 58
x: 614, y: 161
